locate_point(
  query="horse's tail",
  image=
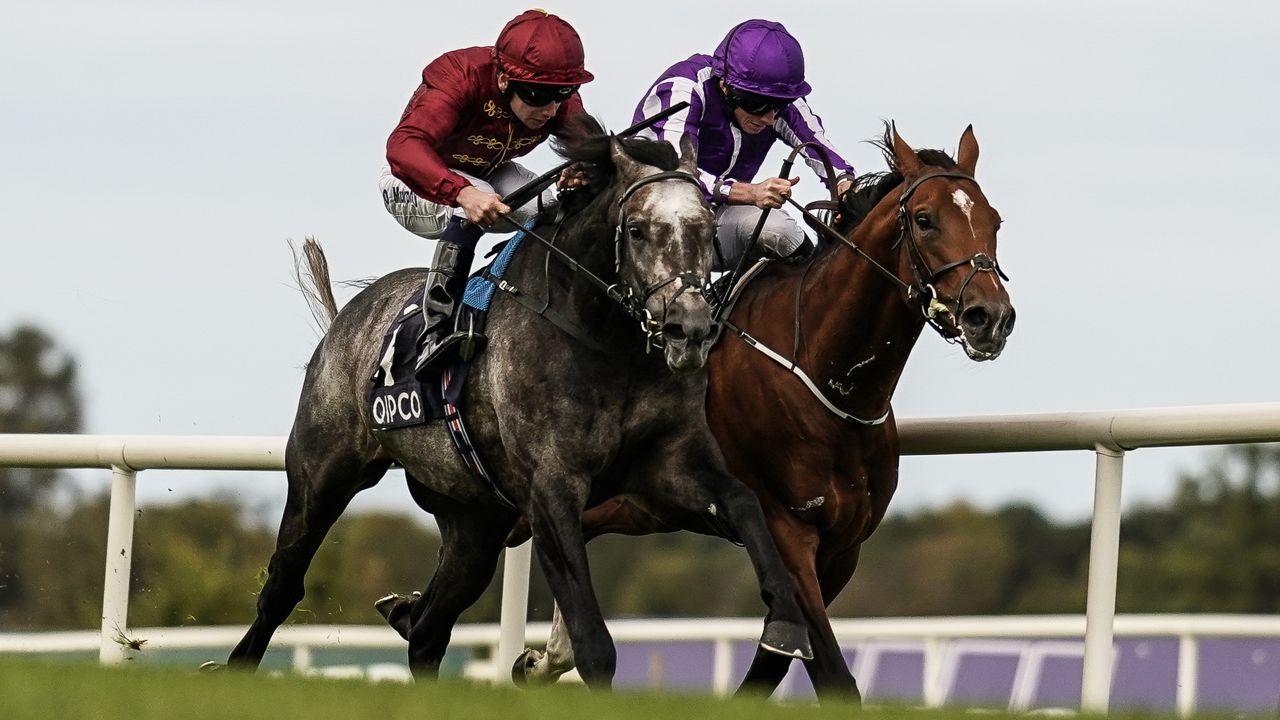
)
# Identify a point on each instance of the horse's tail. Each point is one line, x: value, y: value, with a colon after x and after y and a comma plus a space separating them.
x: 312, y: 271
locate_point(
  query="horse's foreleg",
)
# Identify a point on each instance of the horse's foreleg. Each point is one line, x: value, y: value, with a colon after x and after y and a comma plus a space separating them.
x: 828, y: 669
x: 831, y: 676
x: 615, y: 515
x: 765, y: 673
x: 785, y: 631
x: 555, y: 517
x: 469, y: 552
x: 535, y: 667
x: 316, y: 499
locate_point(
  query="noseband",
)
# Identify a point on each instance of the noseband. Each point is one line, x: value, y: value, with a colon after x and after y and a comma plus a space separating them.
x: 923, y: 288
x: 637, y: 304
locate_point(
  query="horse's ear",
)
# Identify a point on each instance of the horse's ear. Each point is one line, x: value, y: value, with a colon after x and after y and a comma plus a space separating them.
x: 904, y: 157
x: 688, y: 155
x: 621, y: 160
x: 967, y: 155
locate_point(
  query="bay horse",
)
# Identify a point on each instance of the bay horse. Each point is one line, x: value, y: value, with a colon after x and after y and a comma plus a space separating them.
x: 808, y: 424
x: 564, y: 414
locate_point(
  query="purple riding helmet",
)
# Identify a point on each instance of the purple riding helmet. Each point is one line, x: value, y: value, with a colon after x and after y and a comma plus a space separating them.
x: 761, y: 57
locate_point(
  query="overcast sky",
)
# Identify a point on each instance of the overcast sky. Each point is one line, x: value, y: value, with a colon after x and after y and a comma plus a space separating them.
x: 155, y: 157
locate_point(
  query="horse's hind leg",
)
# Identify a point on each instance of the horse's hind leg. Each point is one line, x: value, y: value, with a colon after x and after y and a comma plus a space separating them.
x: 537, y: 667
x: 319, y: 491
x: 471, y: 543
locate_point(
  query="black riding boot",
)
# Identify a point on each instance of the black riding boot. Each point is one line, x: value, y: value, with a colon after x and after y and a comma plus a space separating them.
x: 446, y: 282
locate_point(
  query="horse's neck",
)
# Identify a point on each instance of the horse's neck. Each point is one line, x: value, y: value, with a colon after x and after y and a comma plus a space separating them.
x: 570, y: 293
x: 855, y: 330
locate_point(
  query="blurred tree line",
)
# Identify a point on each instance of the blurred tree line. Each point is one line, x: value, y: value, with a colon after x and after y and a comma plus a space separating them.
x: 1213, y: 547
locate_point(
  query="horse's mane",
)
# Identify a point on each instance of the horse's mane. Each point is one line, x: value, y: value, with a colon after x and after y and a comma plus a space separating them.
x: 869, y: 189
x: 587, y: 143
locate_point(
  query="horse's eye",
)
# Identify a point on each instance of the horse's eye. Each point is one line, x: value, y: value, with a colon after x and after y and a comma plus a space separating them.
x: 999, y: 224
x: 634, y: 232
x: 923, y: 222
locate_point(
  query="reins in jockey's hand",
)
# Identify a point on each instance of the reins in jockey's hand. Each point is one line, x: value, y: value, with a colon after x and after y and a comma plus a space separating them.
x: 750, y: 244
x: 526, y: 192
x: 823, y: 157
x: 922, y: 290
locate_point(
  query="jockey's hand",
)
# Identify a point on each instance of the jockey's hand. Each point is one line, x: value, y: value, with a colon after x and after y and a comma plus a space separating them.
x: 772, y: 193
x: 572, y: 177
x: 841, y: 188
x: 482, y: 208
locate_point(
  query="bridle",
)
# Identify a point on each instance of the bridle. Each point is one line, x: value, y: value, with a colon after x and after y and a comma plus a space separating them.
x: 921, y: 291
x: 923, y: 288
x: 688, y: 280
x: 633, y: 303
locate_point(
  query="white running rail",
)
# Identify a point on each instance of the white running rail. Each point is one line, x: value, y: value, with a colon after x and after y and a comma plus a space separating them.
x: 1108, y: 434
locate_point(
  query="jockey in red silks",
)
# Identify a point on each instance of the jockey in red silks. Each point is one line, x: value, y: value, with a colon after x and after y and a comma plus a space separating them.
x: 747, y: 95
x: 451, y: 158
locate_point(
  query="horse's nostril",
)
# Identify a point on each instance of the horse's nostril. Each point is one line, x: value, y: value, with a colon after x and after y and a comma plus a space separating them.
x: 975, y: 317
x: 673, y: 331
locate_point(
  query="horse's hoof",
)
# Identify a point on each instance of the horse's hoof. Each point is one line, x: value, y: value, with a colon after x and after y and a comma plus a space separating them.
x: 385, y: 604
x: 212, y: 666
x: 395, y: 610
x: 520, y: 669
x: 787, y: 639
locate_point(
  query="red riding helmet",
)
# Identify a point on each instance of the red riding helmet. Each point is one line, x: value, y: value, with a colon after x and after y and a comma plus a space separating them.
x: 539, y: 47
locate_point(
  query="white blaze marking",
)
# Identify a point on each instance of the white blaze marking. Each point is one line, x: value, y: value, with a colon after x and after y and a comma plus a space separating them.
x: 680, y: 203
x: 965, y: 203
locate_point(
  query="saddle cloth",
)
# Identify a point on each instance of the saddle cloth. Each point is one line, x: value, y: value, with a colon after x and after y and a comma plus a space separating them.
x: 397, y: 399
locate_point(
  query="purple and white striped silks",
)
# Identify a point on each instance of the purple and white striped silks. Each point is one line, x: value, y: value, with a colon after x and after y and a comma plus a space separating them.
x: 725, y: 153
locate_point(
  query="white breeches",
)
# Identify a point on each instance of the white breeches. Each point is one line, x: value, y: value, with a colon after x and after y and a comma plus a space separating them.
x: 427, y: 219
x: 735, y: 223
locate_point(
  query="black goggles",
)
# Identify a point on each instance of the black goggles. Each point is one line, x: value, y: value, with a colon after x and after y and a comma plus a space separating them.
x: 753, y: 104
x: 539, y: 94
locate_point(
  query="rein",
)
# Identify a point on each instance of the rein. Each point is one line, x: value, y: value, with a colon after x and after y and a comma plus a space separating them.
x: 922, y: 291
x: 631, y: 302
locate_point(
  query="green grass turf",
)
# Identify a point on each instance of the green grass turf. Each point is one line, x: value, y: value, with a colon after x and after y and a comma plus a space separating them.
x: 59, y: 691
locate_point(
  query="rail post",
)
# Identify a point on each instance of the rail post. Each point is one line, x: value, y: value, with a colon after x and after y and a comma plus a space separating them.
x: 515, y: 609
x: 1104, y: 561
x: 115, y: 586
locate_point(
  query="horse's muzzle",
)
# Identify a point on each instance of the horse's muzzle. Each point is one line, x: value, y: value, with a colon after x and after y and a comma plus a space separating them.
x: 687, y: 333
x: 984, y: 327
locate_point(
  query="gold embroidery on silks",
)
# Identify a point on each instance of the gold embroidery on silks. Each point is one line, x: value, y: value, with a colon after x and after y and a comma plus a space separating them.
x: 525, y: 142
x: 492, y: 110
x: 468, y: 160
x: 487, y: 142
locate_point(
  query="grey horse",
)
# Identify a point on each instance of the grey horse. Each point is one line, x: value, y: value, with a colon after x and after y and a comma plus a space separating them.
x: 565, y: 414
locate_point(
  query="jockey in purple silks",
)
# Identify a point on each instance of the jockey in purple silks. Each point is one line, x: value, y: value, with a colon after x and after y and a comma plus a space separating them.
x: 742, y: 99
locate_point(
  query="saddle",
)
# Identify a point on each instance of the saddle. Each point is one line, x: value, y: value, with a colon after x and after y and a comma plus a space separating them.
x: 397, y: 399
